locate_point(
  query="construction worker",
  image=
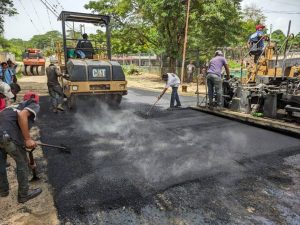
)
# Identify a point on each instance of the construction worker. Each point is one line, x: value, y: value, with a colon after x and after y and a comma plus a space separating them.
x: 13, y: 88
x: 6, y: 74
x: 12, y: 66
x: 190, y: 71
x: 84, y: 47
x: 15, y: 122
x: 214, y: 78
x: 172, y: 80
x: 5, y: 94
x: 256, y: 42
x: 54, y: 88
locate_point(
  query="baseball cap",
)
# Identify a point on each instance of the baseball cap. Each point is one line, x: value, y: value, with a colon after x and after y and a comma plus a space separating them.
x: 5, y: 90
x: 31, y: 95
x: 218, y: 52
x: 259, y: 26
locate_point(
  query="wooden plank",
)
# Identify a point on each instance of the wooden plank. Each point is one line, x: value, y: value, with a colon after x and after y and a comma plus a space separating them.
x: 268, y: 123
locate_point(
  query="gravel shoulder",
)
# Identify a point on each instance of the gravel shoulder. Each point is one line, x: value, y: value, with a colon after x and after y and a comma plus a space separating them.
x: 40, y: 210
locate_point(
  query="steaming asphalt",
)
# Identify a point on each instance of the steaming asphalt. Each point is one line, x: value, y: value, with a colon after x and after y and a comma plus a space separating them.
x: 177, y: 167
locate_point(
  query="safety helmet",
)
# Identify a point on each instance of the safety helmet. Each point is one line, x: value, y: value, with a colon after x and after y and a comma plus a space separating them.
x: 31, y: 95
x: 259, y: 26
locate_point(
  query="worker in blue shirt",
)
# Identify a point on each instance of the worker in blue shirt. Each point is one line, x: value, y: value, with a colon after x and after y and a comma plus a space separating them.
x: 256, y: 42
x: 6, y: 75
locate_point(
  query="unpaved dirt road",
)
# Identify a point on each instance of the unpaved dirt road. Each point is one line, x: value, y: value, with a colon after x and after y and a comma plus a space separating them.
x: 177, y: 167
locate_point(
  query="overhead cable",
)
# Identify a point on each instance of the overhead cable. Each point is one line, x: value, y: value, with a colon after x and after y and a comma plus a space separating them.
x: 280, y: 12
x: 37, y: 15
x: 29, y: 17
x: 49, y: 19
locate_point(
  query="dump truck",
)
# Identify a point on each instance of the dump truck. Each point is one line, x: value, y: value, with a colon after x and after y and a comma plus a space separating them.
x: 34, y: 62
x: 93, y: 76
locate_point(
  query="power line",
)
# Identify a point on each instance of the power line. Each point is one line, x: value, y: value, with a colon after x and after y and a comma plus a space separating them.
x: 60, y: 5
x: 285, y: 3
x: 52, y: 9
x: 49, y: 19
x: 29, y: 17
x: 49, y: 7
x: 280, y: 12
x: 36, y: 13
x: 52, y: 5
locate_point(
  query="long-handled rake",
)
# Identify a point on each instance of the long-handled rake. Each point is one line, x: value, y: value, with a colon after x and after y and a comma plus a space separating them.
x: 148, y: 112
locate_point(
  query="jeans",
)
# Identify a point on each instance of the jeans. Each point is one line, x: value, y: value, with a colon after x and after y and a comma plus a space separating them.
x: 175, y: 97
x: 190, y: 76
x: 20, y: 157
x: 56, y: 94
x: 214, y: 85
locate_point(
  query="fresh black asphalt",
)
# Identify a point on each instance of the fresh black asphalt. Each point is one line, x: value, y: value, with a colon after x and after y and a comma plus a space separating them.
x: 177, y: 167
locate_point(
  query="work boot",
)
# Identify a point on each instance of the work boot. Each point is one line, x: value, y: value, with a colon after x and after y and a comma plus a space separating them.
x: 30, y: 195
x: 4, y: 194
x: 60, y: 107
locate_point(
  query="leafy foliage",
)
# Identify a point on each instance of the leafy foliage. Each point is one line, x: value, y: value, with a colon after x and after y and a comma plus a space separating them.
x: 297, y: 41
x: 252, y: 15
x: 6, y: 8
x: 159, y: 25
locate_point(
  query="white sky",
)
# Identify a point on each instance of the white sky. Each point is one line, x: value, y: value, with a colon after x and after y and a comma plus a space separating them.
x: 20, y: 26
x: 279, y: 20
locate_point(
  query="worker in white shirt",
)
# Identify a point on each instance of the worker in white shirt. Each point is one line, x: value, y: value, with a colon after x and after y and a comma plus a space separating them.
x: 172, y: 80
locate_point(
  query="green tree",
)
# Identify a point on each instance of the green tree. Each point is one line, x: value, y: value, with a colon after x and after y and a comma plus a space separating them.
x: 159, y: 25
x: 6, y: 8
x: 46, y: 41
x: 278, y: 36
x: 252, y: 15
x: 17, y: 46
x: 296, y: 41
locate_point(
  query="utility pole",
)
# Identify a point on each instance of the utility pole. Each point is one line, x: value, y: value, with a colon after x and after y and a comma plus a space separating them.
x: 185, y: 37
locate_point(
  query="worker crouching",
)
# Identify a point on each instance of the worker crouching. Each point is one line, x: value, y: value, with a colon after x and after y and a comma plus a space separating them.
x: 15, y: 122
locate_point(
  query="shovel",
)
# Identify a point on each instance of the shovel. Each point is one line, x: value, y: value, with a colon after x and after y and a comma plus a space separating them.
x: 61, y: 147
x: 31, y: 162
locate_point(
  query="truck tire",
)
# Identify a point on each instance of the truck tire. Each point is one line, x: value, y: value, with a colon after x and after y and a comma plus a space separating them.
x: 115, y: 100
x: 24, y: 70
x: 41, y: 70
x: 71, y: 103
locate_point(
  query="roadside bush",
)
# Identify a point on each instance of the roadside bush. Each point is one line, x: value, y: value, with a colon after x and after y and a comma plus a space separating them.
x: 131, y: 70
